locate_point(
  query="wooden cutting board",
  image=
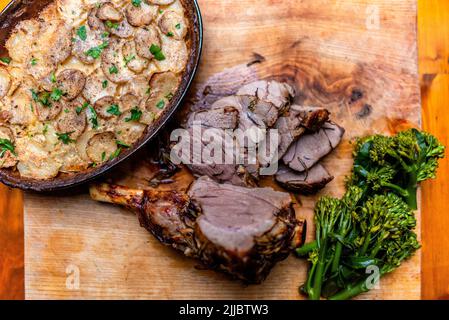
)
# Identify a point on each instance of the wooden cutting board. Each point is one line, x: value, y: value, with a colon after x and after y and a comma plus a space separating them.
x: 358, y: 58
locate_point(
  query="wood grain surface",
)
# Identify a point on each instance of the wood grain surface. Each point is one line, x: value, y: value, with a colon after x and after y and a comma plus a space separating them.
x: 433, y: 25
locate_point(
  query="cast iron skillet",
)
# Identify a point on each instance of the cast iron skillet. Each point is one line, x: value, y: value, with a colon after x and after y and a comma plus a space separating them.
x: 19, y: 10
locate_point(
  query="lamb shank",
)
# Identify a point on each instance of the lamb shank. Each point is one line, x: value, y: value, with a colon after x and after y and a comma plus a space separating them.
x: 241, y: 231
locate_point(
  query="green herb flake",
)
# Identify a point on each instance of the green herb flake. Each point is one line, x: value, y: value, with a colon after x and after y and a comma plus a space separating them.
x: 170, y: 34
x: 160, y: 105
x: 114, y: 110
x: 112, y: 25
x: 6, y: 145
x: 113, y: 69
x: 33, y: 61
x: 65, y: 137
x: 156, y: 51
x: 5, y: 60
x: 95, y: 52
x: 93, y: 117
x: 53, y: 77
x: 136, y: 114
x: 169, y: 96
x: 122, y: 144
x: 148, y: 91
x: 136, y: 3
x: 115, y: 154
x: 45, y: 129
x: 82, y: 33
x: 104, y: 84
x: 105, y: 34
x: 129, y: 59
x: 178, y: 26
x: 56, y: 94
x: 103, y: 156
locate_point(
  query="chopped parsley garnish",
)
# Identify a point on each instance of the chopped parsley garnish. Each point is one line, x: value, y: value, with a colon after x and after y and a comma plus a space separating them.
x: 115, y: 154
x: 160, y: 104
x: 104, y: 84
x: 45, y: 129
x: 148, y: 90
x: 95, y: 52
x: 129, y: 59
x: 111, y: 25
x: 34, y: 95
x: 103, y: 156
x: 178, y: 26
x: 114, y: 110
x: 169, y: 96
x: 160, y: 11
x: 156, y: 51
x: 113, y: 69
x: 136, y: 114
x: 122, y: 144
x: 170, y: 34
x: 65, y: 137
x: 82, y: 33
x: 136, y: 3
x: 93, y: 117
x: 53, y: 77
x: 81, y: 108
x: 43, y: 98
x: 33, y: 61
x: 56, y: 94
x: 66, y: 110
x: 6, y: 145
x: 5, y: 60
x: 105, y: 34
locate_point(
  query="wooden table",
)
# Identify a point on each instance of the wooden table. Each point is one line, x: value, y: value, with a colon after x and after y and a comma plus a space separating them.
x: 434, y: 64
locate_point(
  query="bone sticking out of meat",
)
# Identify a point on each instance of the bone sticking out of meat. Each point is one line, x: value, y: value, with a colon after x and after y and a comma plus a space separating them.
x: 311, y: 148
x: 306, y: 182
x: 240, y: 231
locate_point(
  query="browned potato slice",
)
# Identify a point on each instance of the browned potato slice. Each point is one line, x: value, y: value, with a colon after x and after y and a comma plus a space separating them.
x: 173, y: 25
x: 163, y: 87
x: 161, y: 2
x: 133, y: 60
x: 98, y: 86
x: 145, y: 37
x: 139, y: 86
x: 7, y: 160
x: 46, y: 113
x: 94, y: 22
x: 129, y: 101
x: 141, y: 15
x: 5, y: 82
x: 71, y: 82
x: 81, y: 47
x: 108, y: 12
x: 101, y: 146
x: 105, y: 107
x: 176, y: 55
x: 19, y: 44
x: 19, y: 107
x: 113, y: 62
x: 128, y: 131
x: 71, y: 122
x: 121, y: 29
x: 71, y: 10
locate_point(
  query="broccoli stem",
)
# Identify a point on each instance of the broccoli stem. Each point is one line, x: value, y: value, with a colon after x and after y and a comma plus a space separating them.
x: 351, y: 291
x: 319, y: 272
x: 412, y: 190
x: 306, y: 249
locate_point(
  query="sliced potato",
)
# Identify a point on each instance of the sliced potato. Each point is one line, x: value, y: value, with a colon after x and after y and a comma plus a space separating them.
x: 71, y: 122
x: 113, y: 62
x: 104, y: 107
x: 71, y: 82
x: 81, y: 144
x: 173, y: 25
x: 5, y: 82
x: 72, y: 11
x: 139, y: 86
x: 83, y: 49
x: 144, y: 39
x: 176, y: 55
x: 101, y: 147
x: 94, y: 22
x: 98, y: 86
x: 121, y: 29
x: 161, y: 2
x: 139, y: 16
x: 19, y: 44
x: 163, y: 87
x: 129, y: 131
x: 129, y: 101
x: 133, y: 61
x: 46, y: 113
x: 19, y: 106
x: 8, y: 159
x: 108, y: 12
x: 71, y: 159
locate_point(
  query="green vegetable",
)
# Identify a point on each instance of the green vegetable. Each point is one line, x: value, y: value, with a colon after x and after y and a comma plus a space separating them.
x: 95, y: 52
x: 53, y: 77
x: 122, y: 144
x: 81, y: 108
x: 160, y: 104
x: 129, y: 59
x: 178, y: 26
x: 82, y: 33
x: 114, y: 110
x: 373, y: 224
x: 6, y: 145
x: 136, y: 3
x: 397, y: 163
x: 33, y: 61
x: 93, y: 117
x: 136, y: 114
x: 156, y: 51
x: 104, y: 84
x: 170, y: 34
x: 115, y: 154
x: 111, y: 25
x: 113, y: 70
x: 5, y: 60
x: 65, y: 137
x: 56, y: 94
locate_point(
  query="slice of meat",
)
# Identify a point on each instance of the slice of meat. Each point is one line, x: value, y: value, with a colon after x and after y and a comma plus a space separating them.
x: 311, y: 148
x: 306, y: 182
x: 71, y: 82
x: 221, y: 118
x: 278, y: 93
x: 173, y: 25
x: 101, y: 147
x: 142, y: 14
x: 242, y: 232
x: 144, y: 39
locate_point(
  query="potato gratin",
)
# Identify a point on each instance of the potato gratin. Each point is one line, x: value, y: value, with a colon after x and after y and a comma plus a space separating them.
x: 85, y: 79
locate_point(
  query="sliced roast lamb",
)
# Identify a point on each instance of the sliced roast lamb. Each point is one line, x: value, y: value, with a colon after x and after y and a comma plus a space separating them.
x: 240, y: 231
x: 311, y: 148
x: 306, y: 182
